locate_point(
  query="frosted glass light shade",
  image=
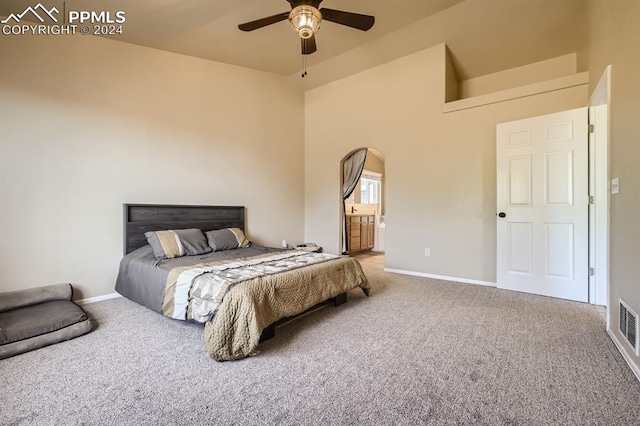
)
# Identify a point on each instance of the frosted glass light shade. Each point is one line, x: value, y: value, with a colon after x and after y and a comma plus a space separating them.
x: 305, y: 20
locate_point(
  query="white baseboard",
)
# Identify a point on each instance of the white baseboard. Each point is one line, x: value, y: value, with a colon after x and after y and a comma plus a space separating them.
x: 97, y: 299
x: 632, y: 365
x: 440, y: 277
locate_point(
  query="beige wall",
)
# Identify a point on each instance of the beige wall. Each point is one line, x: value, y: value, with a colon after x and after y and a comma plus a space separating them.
x: 615, y: 40
x: 440, y: 168
x: 374, y: 162
x: 88, y: 124
x: 520, y: 76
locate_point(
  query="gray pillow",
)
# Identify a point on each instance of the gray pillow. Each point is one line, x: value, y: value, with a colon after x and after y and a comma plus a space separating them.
x: 227, y: 239
x: 194, y: 241
x: 178, y: 242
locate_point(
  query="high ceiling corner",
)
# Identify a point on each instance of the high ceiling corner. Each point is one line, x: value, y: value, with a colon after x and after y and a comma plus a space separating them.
x: 483, y: 36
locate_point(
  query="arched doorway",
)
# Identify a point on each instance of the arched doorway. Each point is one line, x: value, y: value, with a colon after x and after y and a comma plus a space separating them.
x: 363, y: 227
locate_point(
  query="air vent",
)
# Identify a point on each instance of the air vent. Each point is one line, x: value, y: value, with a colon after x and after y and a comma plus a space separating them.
x: 629, y: 325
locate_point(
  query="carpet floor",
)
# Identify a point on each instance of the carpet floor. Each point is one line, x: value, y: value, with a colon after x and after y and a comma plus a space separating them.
x: 418, y: 351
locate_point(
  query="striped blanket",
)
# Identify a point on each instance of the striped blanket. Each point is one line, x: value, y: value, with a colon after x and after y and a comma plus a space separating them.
x: 196, y: 292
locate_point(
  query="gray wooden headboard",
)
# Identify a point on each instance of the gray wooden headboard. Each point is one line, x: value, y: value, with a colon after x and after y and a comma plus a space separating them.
x: 140, y: 218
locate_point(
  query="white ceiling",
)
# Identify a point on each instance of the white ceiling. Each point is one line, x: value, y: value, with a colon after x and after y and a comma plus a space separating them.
x: 484, y: 36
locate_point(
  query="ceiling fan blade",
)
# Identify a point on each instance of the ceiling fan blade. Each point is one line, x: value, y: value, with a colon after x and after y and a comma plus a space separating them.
x: 314, y: 3
x: 308, y: 45
x: 353, y: 20
x: 259, y: 23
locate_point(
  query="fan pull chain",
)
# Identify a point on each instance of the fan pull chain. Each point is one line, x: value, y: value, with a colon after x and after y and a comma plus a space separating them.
x: 304, y: 66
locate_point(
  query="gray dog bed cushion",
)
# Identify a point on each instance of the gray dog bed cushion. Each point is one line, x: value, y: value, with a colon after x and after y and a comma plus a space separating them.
x: 33, y: 296
x: 31, y: 319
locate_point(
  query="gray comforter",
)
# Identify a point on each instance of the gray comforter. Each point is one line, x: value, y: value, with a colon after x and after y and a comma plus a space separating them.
x: 142, y: 278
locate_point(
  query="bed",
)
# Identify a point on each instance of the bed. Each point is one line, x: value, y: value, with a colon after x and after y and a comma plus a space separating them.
x: 240, y: 294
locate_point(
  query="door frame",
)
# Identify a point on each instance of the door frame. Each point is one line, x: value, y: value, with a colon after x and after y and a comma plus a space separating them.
x: 599, y: 117
x: 371, y: 150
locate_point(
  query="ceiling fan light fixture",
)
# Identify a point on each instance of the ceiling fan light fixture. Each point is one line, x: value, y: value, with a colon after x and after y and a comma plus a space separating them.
x: 305, y: 20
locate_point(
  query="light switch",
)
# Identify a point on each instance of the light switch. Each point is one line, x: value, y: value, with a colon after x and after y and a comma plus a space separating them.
x: 615, y: 185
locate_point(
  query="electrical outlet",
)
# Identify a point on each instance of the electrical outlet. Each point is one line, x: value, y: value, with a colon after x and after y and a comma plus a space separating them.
x: 427, y: 252
x: 615, y: 185
x: 284, y: 244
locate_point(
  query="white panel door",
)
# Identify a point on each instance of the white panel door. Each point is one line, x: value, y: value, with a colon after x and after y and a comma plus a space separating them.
x: 542, y: 226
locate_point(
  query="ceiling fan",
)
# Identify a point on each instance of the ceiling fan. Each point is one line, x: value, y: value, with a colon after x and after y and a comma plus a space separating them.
x: 305, y: 18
